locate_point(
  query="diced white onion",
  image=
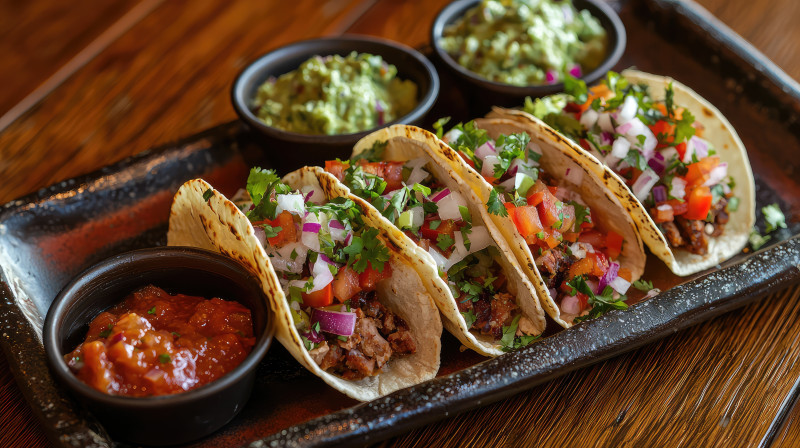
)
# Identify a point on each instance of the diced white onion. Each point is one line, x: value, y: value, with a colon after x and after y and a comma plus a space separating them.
x: 589, y: 118
x: 699, y: 146
x: 620, y: 148
x: 336, y: 233
x: 448, y: 206
x: 438, y: 258
x: 321, y: 273
x: 417, y: 175
x: 292, y: 203
x: 570, y: 305
x: 620, y: 285
x: 281, y: 258
x: 488, y: 166
x: 628, y: 110
x: 717, y: 174
x: 641, y: 188
x: 485, y: 150
x: 261, y: 236
x: 668, y: 153
x: 579, y: 250
x: 678, y: 189
x: 532, y: 146
x: 604, y: 121
x: 479, y: 239
x: 310, y: 239
x: 452, y: 135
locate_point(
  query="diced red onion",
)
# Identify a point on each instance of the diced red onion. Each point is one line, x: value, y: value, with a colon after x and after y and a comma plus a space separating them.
x: 486, y: 149
x: 310, y: 237
x: 448, y: 206
x: 551, y: 76
x: 604, y: 121
x: 313, y: 336
x: 606, y: 138
x: 589, y: 118
x: 312, y: 227
x: 678, y: 189
x: 620, y: 285
x: 628, y: 111
x: 699, y: 145
x: 641, y: 188
x: 608, y: 277
x: 659, y: 193
x: 488, y: 166
x: 335, y: 224
x: 293, y: 203
x: 657, y: 163
x: 592, y: 285
x: 620, y: 148
x: 574, y: 176
x: 571, y: 305
x: 334, y: 322
x: 348, y: 237
x: 575, y: 71
x: 261, y: 236
x: 717, y: 174
x: 440, y: 195
x: 508, y: 184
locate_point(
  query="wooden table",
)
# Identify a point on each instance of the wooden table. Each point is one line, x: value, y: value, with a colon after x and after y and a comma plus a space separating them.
x: 89, y: 82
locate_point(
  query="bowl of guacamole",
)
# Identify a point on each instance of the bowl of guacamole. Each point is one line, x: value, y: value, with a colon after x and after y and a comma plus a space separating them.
x: 510, y: 49
x: 312, y: 100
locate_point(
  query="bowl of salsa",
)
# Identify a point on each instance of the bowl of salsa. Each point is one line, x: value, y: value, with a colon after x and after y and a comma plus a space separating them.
x: 510, y: 49
x: 160, y: 344
x: 312, y: 100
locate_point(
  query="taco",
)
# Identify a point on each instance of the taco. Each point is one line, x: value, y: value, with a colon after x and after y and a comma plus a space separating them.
x: 487, y: 301
x: 572, y: 236
x: 678, y: 156
x: 348, y: 302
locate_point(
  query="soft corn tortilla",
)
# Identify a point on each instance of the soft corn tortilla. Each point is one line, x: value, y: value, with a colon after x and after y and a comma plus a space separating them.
x: 556, y: 158
x: 719, y: 132
x: 409, y: 142
x: 218, y: 225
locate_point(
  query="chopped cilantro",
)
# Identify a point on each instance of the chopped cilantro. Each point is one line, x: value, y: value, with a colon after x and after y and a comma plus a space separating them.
x: 733, y: 204
x: 293, y: 255
x: 164, y: 358
x: 469, y: 317
x: 635, y: 159
x: 105, y: 333
x: 315, y: 327
x: 582, y: 215
x: 510, y: 341
x: 495, y: 205
x: 260, y: 185
x: 207, y: 194
x: 669, y: 101
x: 643, y: 285
x: 151, y: 310
x: 367, y: 248
x: 683, y: 127
x: 757, y: 240
x: 576, y: 88
x: 444, y: 241
x: 439, y: 126
x: 176, y: 334
x: 600, y: 303
x: 373, y: 154
x: 433, y: 225
x: 271, y: 232
x: 342, y: 338
x: 465, y: 215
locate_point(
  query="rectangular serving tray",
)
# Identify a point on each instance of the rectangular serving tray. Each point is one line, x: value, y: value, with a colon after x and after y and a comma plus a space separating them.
x: 50, y: 236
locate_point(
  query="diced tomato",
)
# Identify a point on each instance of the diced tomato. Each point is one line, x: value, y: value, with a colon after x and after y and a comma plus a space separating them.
x: 698, y: 172
x: 599, y: 263
x: 346, y: 284
x: 336, y: 168
x: 535, y: 193
x: 552, y: 238
x: 393, y: 175
x: 613, y: 244
x: 625, y: 273
x: 499, y: 281
x: 583, y: 266
x: 681, y: 148
x: 571, y: 236
x: 585, y: 144
x: 288, y: 232
x: 526, y: 218
x: 490, y: 179
x: 599, y: 91
x: 583, y: 299
x: 548, y: 213
x: 593, y: 237
x: 677, y: 111
x: 664, y: 131
x: 664, y: 214
x: 370, y: 277
x: 446, y: 227
x: 316, y: 299
x: 699, y: 203
x: 567, y: 218
x: 679, y: 206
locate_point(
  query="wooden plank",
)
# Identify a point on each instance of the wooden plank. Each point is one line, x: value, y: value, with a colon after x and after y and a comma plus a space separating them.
x: 717, y: 384
x: 408, y: 21
x: 167, y: 77
x: 38, y: 37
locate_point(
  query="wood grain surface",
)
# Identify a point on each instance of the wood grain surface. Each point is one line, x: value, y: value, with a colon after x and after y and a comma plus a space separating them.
x: 90, y: 82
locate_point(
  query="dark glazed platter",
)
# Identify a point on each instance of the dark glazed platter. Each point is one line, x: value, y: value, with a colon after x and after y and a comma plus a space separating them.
x: 48, y: 237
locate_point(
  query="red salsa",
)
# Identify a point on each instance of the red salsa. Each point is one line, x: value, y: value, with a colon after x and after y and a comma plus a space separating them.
x: 154, y: 343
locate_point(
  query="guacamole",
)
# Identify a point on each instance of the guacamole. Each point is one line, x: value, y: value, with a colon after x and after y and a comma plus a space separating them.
x: 335, y: 95
x: 526, y: 42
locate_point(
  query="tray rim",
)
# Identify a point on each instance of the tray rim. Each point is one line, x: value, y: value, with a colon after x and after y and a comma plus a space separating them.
x: 322, y: 431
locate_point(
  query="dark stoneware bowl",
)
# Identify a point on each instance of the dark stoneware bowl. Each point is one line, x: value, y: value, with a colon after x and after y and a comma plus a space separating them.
x: 170, y: 419
x: 289, y: 150
x: 490, y: 93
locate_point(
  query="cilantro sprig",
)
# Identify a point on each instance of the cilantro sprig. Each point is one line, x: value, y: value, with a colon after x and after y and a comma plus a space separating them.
x: 600, y: 303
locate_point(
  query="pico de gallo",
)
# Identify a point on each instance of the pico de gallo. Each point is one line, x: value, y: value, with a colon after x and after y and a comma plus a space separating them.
x: 657, y: 147
x: 439, y: 221
x: 574, y: 254
x: 329, y: 263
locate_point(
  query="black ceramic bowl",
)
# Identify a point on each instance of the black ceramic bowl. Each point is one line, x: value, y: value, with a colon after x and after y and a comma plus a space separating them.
x: 488, y: 93
x: 290, y: 150
x: 169, y: 419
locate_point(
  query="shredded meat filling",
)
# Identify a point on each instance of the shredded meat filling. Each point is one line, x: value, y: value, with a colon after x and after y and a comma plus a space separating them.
x: 379, y: 334
x: 692, y: 234
x: 492, y: 313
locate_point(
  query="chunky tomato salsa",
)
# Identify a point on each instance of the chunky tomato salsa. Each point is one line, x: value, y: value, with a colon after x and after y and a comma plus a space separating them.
x: 154, y: 343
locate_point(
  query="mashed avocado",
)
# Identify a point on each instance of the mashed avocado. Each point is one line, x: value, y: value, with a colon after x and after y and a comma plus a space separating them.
x: 526, y: 42
x: 335, y: 95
